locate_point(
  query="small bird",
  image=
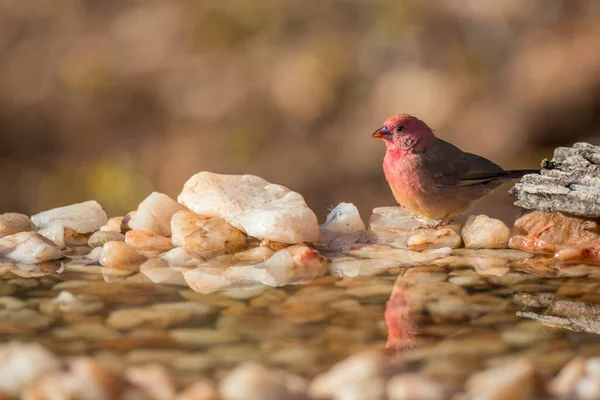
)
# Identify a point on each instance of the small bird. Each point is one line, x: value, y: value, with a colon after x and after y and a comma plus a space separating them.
x: 432, y: 177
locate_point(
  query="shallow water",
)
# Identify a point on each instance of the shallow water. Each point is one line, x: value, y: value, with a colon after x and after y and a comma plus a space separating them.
x: 447, y: 322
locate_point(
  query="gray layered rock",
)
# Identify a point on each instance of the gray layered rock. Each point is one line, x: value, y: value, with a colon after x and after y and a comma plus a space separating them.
x: 569, y: 183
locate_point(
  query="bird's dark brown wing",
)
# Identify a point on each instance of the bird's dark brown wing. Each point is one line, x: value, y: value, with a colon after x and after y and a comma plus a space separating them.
x: 449, y: 166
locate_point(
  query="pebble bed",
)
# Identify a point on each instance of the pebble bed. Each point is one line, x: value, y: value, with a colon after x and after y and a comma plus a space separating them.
x: 178, y: 301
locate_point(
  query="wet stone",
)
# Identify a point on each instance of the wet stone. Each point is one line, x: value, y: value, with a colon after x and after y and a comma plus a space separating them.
x: 204, y: 237
x: 154, y: 214
x: 121, y: 256
x: 483, y: 232
x: 11, y: 223
x: 145, y: 240
x: 99, y: 238
x: 342, y: 227
x: 253, y: 205
x: 398, y: 227
x: 83, y: 217
x: 28, y: 247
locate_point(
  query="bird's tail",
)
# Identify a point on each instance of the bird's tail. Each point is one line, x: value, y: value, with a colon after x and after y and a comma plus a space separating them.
x: 519, y: 173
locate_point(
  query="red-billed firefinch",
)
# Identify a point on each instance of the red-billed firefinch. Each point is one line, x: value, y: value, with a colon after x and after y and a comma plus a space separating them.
x: 432, y: 177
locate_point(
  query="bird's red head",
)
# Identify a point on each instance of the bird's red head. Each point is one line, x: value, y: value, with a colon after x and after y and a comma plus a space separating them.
x: 403, y: 131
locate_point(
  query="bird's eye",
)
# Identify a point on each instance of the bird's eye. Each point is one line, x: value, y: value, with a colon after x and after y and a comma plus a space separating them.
x: 399, y: 128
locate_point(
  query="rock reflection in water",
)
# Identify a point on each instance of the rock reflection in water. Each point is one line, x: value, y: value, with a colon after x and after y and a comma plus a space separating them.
x: 578, y: 316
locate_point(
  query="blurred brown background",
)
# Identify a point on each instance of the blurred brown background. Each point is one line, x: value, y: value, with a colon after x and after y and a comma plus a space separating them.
x: 111, y: 99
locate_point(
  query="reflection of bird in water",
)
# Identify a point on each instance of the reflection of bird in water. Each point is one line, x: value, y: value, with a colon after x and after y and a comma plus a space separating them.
x: 401, y: 327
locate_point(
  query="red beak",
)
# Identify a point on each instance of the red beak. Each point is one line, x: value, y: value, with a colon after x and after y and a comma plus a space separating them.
x: 381, y: 132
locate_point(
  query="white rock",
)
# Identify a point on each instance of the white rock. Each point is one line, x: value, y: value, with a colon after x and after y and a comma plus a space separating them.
x: 204, y: 236
x: 342, y: 227
x: 55, y: 232
x: 253, y: 381
x: 118, y: 255
x: 414, y: 387
x: 112, y: 225
x: 154, y: 214
x: 483, y: 232
x: 253, y: 205
x: 11, y: 223
x: 365, y: 365
x: 511, y: 381
x: 398, y: 227
x: 293, y: 265
x: 83, y: 217
x: 23, y: 363
x: 146, y: 240
x: 29, y: 248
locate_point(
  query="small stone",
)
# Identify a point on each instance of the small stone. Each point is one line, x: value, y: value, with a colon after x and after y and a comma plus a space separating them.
x: 29, y: 248
x: 205, y: 237
x: 483, y: 232
x: 154, y: 379
x: 55, y: 232
x: 68, y: 302
x: 112, y: 225
x: 145, y: 240
x: 118, y: 255
x: 201, y: 390
x: 11, y: 223
x: 154, y: 214
x: 252, y: 205
x: 83, y: 217
x: 22, y: 364
x: 361, y: 366
x: 99, y: 238
x: 511, y: 381
x: 342, y: 227
x: 398, y: 227
x: 200, y: 337
x: 565, y: 382
x: 146, y: 317
x: 253, y: 381
x: 545, y: 233
x: 414, y: 386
